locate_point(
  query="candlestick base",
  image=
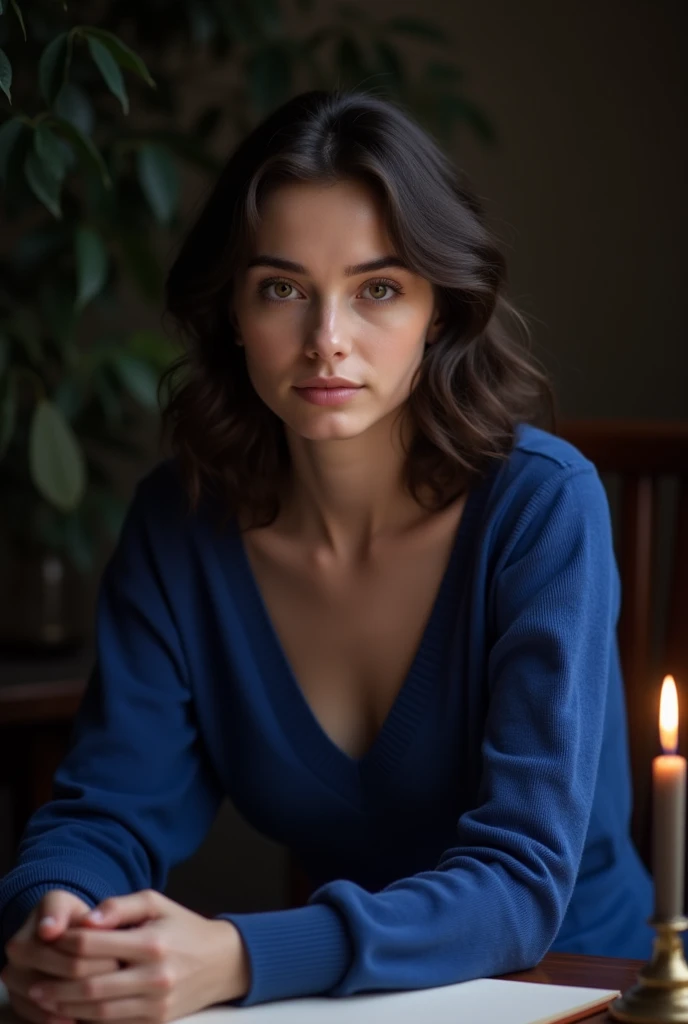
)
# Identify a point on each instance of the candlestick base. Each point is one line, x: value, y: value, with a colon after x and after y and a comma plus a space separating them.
x: 660, y: 996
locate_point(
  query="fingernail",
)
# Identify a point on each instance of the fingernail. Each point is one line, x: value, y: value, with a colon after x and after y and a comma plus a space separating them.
x: 96, y: 915
x: 48, y: 921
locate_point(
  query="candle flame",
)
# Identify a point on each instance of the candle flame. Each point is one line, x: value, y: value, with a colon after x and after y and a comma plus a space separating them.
x: 668, y: 716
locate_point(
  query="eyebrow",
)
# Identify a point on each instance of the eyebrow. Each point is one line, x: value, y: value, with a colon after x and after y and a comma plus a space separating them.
x: 358, y: 268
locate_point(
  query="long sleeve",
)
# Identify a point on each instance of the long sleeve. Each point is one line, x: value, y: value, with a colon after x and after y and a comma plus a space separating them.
x: 496, y: 899
x: 135, y: 793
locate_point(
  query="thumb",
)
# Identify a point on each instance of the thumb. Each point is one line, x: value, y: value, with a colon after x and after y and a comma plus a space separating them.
x: 56, y: 911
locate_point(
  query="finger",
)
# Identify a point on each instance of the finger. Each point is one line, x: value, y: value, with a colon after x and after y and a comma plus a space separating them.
x: 56, y: 911
x: 126, y: 910
x: 29, y: 1011
x: 25, y: 983
x: 36, y: 955
x: 118, y: 1009
x: 143, y: 944
x: 126, y: 983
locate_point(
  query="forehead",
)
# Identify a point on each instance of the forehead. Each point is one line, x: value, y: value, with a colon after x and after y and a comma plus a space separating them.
x: 345, y: 214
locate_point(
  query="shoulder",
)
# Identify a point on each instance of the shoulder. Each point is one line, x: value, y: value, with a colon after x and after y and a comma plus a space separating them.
x: 546, y: 452
x: 539, y: 461
x: 544, y: 480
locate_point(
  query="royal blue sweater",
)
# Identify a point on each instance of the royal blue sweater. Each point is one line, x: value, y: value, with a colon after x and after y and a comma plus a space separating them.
x: 487, y: 824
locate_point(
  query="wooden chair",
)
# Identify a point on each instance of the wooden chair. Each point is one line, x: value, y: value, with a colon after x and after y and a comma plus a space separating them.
x: 640, y: 454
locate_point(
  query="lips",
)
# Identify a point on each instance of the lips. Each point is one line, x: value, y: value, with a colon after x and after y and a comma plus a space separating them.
x: 330, y: 382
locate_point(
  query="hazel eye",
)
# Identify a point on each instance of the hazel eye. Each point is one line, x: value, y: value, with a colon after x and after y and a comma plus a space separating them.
x: 382, y: 286
x: 283, y: 290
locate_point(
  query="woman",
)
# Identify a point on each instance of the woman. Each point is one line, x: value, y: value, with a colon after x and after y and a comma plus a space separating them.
x: 368, y: 599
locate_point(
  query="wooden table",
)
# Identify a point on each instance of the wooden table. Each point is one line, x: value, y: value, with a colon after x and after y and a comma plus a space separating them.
x: 587, y: 971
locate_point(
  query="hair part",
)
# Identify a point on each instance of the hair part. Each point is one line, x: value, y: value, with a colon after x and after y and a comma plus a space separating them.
x: 475, y: 382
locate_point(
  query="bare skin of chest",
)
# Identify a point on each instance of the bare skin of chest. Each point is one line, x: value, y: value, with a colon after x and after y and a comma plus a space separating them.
x: 351, y: 633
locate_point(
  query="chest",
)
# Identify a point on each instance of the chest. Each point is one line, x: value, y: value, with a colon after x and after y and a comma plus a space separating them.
x: 350, y: 637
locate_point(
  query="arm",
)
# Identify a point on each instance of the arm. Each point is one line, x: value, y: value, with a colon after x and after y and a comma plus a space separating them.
x: 495, y: 900
x: 135, y: 793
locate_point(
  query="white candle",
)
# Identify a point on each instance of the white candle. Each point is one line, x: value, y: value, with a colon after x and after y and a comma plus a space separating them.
x: 669, y: 810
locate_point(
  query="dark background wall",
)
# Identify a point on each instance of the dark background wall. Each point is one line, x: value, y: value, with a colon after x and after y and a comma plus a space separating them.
x: 586, y: 188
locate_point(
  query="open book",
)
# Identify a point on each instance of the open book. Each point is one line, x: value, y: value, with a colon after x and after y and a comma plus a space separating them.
x: 485, y: 1001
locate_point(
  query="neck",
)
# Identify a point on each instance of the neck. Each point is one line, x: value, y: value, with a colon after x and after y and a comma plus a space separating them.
x: 344, y: 496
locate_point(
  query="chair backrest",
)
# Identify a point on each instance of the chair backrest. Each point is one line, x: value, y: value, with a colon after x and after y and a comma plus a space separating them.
x: 641, y: 453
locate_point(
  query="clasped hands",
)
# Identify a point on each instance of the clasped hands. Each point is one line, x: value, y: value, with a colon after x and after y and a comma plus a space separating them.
x: 143, y: 959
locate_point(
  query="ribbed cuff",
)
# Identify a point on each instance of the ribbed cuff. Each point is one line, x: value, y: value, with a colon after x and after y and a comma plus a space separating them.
x: 299, y: 952
x: 19, y: 908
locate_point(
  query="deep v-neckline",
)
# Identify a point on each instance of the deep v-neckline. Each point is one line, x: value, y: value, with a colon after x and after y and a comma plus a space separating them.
x: 294, y: 713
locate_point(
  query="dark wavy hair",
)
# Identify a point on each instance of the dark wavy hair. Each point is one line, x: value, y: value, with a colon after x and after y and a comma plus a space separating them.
x: 474, y: 383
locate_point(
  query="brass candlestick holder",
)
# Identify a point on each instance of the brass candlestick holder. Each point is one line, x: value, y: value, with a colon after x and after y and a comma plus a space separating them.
x: 660, y: 995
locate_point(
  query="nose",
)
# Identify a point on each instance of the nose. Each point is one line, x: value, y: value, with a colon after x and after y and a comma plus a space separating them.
x: 328, y: 334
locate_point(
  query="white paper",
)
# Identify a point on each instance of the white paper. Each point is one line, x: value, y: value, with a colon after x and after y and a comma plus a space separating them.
x: 485, y: 1001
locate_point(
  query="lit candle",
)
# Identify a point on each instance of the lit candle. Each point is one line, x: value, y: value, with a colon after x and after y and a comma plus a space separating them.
x: 669, y: 810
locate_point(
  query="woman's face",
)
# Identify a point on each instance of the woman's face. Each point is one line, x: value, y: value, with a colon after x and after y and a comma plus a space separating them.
x: 307, y: 304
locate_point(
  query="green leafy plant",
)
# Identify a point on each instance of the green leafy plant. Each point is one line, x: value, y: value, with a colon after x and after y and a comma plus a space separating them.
x: 96, y: 137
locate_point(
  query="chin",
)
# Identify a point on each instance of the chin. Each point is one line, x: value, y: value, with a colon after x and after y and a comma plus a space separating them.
x: 333, y: 426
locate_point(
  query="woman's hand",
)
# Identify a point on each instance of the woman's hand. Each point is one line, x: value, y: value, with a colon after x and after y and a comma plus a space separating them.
x: 172, y: 963
x: 32, y: 958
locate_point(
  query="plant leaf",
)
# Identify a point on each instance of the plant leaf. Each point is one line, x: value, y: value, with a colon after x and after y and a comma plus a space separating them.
x: 91, y: 265
x: 8, y: 412
x: 56, y: 460
x: 140, y: 261
x: 84, y: 147
x: 109, y: 69
x: 417, y: 27
x: 52, y: 151
x: 9, y: 133
x: 69, y: 397
x: 20, y: 19
x: 159, y: 179
x: 52, y: 67
x: 79, y: 543
x: 151, y: 347
x: 5, y: 75
x: 125, y: 57
x: 139, y: 380
x: 73, y: 105
x: 43, y: 185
